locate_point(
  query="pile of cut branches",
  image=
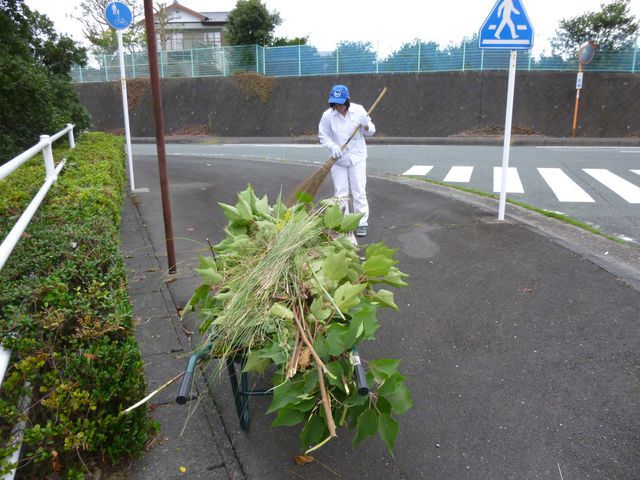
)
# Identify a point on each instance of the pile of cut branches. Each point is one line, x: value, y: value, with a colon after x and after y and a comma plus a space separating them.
x: 286, y: 287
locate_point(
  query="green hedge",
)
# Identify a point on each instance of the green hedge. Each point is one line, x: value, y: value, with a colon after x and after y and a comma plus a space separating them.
x: 66, y: 316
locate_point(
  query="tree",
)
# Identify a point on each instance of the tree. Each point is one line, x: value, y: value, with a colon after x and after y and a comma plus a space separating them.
x: 103, y: 38
x: 289, y: 42
x: 613, y: 28
x: 36, y: 94
x: 250, y: 23
x: 355, y: 57
x: 162, y: 19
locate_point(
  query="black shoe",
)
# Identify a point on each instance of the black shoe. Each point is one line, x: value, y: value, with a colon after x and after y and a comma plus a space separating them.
x: 361, y: 231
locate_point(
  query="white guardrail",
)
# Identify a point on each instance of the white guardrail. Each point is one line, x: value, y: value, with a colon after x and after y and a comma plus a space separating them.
x: 11, y: 240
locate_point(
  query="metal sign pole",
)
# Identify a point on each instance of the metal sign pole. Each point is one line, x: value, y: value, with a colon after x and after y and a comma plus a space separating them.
x: 575, y: 110
x: 507, y: 133
x: 125, y: 109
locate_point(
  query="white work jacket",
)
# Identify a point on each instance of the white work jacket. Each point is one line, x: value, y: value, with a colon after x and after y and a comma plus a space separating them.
x: 334, y: 129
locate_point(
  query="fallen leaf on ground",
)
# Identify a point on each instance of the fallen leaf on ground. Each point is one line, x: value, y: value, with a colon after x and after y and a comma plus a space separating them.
x: 304, y: 459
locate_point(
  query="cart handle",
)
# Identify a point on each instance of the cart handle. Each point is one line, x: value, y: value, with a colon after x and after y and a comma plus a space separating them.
x: 187, y: 379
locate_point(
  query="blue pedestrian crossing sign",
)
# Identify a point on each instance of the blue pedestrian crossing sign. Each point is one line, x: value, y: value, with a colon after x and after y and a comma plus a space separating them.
x: 118, y: 15
x: 507, y: 27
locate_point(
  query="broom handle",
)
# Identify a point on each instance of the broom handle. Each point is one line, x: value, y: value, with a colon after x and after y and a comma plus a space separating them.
x: 373, y: 107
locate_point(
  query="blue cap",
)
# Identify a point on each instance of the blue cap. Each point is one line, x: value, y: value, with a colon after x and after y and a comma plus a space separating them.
x: 339, y: 94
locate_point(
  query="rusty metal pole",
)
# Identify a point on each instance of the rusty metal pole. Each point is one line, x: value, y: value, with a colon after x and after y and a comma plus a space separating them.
x: 152, y: 53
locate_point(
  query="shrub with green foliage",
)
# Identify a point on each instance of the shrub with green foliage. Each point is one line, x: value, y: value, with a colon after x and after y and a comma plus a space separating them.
x: 66, y: 317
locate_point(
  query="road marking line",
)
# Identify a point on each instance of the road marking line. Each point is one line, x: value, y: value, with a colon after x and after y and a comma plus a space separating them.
x: 581, y: 148
x: 565, y: 189
x: 620, y: 186
x: 514, y: 185
x: 636, y: 171
x: 459, y: 174
x: 418, y: 170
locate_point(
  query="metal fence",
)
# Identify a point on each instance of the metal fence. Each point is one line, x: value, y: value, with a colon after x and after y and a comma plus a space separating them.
x: 356, y: 58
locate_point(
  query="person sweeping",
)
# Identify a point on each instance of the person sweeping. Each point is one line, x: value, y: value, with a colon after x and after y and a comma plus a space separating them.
x: 349, y: 173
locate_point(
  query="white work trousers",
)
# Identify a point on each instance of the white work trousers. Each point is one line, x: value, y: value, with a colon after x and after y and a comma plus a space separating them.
x: 354, y: 178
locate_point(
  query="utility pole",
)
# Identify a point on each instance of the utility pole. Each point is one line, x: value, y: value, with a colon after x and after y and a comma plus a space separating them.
x: 152, y: 52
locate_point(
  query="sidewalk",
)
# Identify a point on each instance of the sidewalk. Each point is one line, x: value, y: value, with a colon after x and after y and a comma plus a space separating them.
x: 203, y: 448
x: 519, y: 339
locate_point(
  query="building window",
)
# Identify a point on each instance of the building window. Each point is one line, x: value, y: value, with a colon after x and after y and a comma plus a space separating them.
x: 175, y: 41
x: 212, y: 39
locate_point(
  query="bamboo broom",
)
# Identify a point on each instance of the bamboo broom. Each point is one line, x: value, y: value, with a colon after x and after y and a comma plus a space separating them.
x: 312, y: 183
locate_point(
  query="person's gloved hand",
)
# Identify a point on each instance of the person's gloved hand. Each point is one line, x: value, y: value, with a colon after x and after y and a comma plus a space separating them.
x: 364, y: 120
x: 336, y: 152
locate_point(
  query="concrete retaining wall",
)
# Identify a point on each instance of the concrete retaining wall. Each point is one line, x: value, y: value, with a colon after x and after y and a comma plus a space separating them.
x: 429, y: 105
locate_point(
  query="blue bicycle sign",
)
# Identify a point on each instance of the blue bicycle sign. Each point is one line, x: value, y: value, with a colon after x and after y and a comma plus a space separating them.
x: 118, y: 15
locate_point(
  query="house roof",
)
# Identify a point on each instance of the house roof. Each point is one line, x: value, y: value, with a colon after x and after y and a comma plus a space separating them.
x: 216, y: 17
x: 177, y: 6
x: 204, y: 17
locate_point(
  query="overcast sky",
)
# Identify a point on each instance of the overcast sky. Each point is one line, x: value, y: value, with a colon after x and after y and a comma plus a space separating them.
x: 386, y: 24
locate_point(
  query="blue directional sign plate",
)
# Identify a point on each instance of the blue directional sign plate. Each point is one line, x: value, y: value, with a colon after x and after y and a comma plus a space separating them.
x: 507, y: 27
x: 118, y: 15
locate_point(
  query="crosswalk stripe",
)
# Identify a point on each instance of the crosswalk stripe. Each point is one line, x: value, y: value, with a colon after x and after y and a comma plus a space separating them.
x: 636, y: 171
x: 514, y: 185
x: 459, y: 174
x: 418, y: 170
x: 565, y: 189
x: 620, y: 186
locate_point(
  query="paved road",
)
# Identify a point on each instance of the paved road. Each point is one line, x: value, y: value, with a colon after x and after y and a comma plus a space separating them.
x: 522, y: 355
x: 597, y: 185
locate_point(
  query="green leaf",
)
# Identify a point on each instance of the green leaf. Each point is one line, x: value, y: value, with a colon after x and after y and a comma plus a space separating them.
x: 303, y: 197
x: 318, y: 311
x: 207, y: 262
x: 262, y: 206
x: 244, y: 209
x: 255, y: 362
x: 230, y: 213
x: 350, y: 222
x: 385, y: 298
x: 378, y: 265
x: 388, y: 429
x: 314, y: 431
x: 368, y: 317
x: 335, y: 266
x: 248, y: 196
x: 367, y: 426
x: 336, y: 339
x: 347, y: 295
x: 284, y: 394
x: 333, y: 216
x: 400, y: 399
x: 379, y: 249
x: 288, y: 417
x: 310, y: 381
x: 336, y: 369
x: 355, y: 329
x: 383, y: 368
x: 394, y: 278
x: 321, y: 346
x: 209, y: 276
x: 383, y: 405
x: 280, y: 311
x: 274, y: 352
x: 199, y: 294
